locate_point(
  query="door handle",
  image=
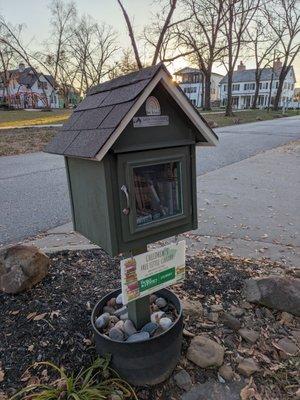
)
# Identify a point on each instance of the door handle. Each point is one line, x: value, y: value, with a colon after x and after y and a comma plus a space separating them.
x: 126, y: 210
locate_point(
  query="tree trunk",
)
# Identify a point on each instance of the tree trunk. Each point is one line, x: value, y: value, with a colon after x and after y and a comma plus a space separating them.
x: 206, y: 104
x: 279, y: 91
x: 228, y: 112
x: 255, y: 97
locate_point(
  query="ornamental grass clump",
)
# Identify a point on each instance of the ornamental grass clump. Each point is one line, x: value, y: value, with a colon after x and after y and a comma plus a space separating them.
x: 96, y: 382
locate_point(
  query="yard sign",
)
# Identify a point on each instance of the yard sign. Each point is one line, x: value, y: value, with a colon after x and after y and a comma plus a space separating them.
x: 148, y: 272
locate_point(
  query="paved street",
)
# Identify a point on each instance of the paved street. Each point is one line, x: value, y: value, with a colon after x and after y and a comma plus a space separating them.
x: 33, y: 189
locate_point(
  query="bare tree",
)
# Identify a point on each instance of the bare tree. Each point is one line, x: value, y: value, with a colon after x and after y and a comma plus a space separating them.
x: 11, y: 37
x: 201, y: 33
x: 284, y: 19
x: 7, y: 57
x: 93, y: 47
x: 238, y: 16
x: 158, y: 35
x: 261, y: 44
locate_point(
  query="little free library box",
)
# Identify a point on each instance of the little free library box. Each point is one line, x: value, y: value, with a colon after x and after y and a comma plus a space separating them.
x: 129, y: 149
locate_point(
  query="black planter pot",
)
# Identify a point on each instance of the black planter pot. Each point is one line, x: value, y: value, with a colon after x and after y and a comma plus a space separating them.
x: 143, y: 363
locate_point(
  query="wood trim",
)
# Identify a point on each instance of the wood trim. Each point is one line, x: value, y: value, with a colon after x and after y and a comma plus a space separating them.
x: 181, y: 100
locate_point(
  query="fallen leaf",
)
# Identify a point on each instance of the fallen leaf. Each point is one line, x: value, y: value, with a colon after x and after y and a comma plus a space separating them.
x: 55, y: 314
x: 2, y: 375
x: 31, y: 315
x: 26, y: 376
x: 39, y: 317
x: 30, y: 348
x: 15, y: 312
x: 87, y: 342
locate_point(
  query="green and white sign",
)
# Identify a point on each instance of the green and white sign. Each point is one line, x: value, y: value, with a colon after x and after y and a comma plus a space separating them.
x: 148, y: 272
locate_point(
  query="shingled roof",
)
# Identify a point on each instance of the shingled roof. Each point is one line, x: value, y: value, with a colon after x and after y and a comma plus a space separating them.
x: 101, y: 116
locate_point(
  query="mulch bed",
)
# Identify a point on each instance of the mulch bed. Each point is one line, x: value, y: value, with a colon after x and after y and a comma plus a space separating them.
x: 51, y: 322
x: 24, y: 140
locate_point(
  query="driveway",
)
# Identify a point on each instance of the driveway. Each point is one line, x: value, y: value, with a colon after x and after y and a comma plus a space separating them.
x: 33, y: 188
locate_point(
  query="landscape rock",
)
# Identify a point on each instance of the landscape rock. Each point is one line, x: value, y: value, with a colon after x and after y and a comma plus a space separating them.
x: 276, y: 292
x: 213, y: 316
x: 129, y: 327
x: 297, y: 395
x: 216, y: 308
x: 112, y: 302
x: 102, y: 321
x: 211, y: 390
x: 286, y: 318
x: 21, y: 267
x: 205, y: 352
x: 150, y: 328
x: 120, y: 325
x: 109, y: 310
x: 236, y: 311
x: 116, y: 334
x: 119, y: 299
x: 156, y: 316
x: 121, y: 311
x: 138, y: 337
x: 183, y: 380
x: 288, y: 347
x: 230, y: 321
x: 249, y: 335
x: 226, y: 372
x: 247, y: 367
x: 165, y: 323
x: 161, y: 302
x: 296, y: 336
x: 192, y: 308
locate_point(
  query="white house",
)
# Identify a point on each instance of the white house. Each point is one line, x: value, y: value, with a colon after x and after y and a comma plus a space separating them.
x: 243, y: 87
x: 190, y: 80
x: 23, y: 89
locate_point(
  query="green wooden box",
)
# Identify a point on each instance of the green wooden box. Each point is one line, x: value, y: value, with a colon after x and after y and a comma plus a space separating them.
x: 132, y: 179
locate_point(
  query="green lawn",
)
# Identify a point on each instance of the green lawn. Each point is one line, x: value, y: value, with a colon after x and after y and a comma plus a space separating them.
x: 25, y: 118
x: 243, y: 117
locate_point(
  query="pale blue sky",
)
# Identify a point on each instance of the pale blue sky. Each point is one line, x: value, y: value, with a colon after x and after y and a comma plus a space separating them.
x: 35, y: 14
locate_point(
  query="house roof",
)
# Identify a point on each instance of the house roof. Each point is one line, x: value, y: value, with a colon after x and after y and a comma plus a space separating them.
x: 248, y: 75
x: 27, y: 77
x: 188, y: 70
x: 101, y: 117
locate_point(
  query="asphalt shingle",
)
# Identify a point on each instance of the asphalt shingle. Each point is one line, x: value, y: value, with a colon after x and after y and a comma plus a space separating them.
x: 88, y: 142
x: 61, y: 142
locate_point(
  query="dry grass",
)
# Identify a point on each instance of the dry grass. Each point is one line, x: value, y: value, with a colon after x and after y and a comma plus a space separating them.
x: 19, y: 118
x: 20, y: 141
x: 243, y: 117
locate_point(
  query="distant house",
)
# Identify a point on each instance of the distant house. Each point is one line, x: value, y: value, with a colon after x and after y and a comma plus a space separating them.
x: 191, y: 82
x: 243, y: 87
x: 25, y: 88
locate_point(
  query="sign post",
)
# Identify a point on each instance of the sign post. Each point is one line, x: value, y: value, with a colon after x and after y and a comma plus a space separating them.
x: 145, y: 273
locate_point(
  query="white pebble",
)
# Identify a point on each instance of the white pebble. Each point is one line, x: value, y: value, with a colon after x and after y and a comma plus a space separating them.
x: 156, y: 316
x: 165, y: 323
x: 119, y: 299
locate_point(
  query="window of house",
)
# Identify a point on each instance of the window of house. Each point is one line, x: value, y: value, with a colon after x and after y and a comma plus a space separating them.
x: 42, y: 85
x: 225, y: 88
x: 276, y: 85
x: 249, y: 86
x: 236, y: 86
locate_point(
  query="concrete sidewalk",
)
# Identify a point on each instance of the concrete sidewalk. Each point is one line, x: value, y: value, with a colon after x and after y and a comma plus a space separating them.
x: 251, y: 207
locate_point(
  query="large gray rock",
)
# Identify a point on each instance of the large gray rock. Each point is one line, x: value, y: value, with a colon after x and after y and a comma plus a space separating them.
x: 214, y: 391
x: 205, y: 352
x: 279, y: 293
x: 21, y: 267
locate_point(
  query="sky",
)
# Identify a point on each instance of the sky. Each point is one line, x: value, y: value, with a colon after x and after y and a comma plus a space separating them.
x: 35, y: 14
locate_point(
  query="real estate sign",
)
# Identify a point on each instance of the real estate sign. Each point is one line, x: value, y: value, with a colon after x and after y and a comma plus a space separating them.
x: 148, y: 272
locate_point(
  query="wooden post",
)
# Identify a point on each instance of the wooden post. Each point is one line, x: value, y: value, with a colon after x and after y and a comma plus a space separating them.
x: 139, y: 310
